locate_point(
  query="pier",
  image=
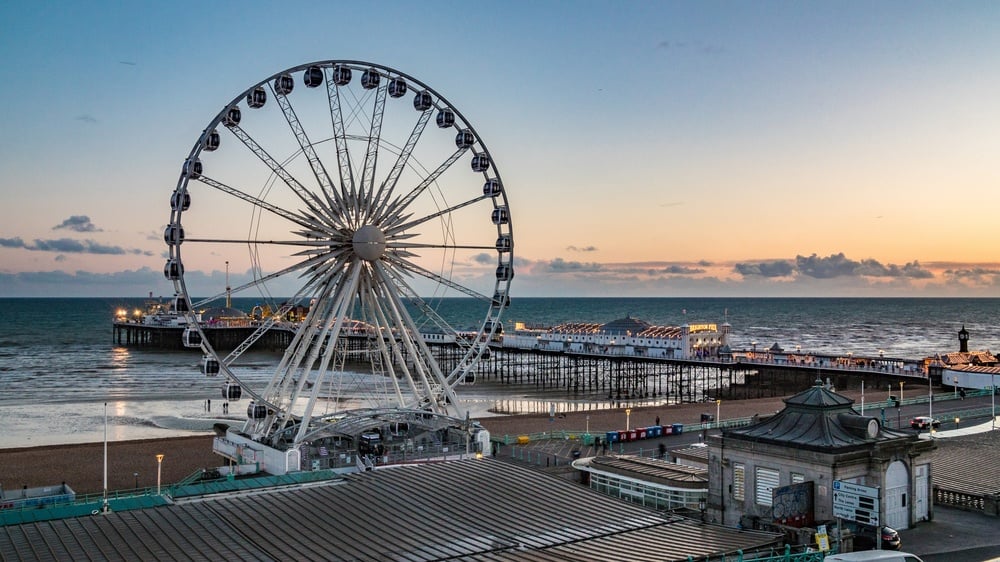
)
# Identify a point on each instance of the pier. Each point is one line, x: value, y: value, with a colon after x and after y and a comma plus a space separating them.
x: 600, y: 372
x: 220, y: 336
x: 637, y: 377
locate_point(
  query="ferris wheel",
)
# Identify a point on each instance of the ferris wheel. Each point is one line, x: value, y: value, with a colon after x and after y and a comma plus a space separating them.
x: 358, y: 196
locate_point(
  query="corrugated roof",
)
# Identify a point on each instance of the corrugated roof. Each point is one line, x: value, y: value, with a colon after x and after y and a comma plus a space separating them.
x: 653, y: 470
x: 464, y: 510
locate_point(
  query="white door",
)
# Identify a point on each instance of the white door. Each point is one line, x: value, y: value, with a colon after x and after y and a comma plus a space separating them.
x: 896, y: 500
x: 920, y: 492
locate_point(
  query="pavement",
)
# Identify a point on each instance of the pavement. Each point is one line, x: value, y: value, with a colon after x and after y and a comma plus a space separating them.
x: 970, y: 430
x: 954, y: 535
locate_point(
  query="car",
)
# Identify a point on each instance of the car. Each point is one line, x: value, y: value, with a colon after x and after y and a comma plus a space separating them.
x: 873, y: 556
x: 865, y: 539
x: 925, y: 422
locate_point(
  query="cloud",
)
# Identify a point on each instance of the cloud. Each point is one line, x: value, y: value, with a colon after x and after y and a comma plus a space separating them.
x: 838, y: 265
x: 832, y: 267
x: 86, y: 118
x: 70, y: 246
x: 681, y: 270
x: 560, y: 265
x: 77, y: 223
x: 779, y: 268
x: 12, y: 242
x: 583, y: 249
x: 485, y: 258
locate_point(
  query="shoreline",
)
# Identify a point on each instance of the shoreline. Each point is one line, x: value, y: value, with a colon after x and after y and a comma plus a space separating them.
x: 80, y: 465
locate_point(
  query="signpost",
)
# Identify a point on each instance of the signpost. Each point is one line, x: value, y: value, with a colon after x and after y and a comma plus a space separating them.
x: 856, y: 503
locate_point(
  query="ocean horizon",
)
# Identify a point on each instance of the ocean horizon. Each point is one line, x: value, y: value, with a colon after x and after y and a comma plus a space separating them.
x: 59, y: 363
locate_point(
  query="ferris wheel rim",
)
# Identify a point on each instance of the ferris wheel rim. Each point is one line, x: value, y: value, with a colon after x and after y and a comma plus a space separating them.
x: 495, y: 303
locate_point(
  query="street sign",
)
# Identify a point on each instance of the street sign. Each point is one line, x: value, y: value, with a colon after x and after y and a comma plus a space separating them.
x: 856, y: 503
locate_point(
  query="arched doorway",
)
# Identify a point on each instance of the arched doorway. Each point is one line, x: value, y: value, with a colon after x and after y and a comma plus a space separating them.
x: 897, y: 483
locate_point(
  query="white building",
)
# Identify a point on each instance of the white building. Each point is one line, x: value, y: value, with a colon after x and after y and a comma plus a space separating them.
x: 625, y: 336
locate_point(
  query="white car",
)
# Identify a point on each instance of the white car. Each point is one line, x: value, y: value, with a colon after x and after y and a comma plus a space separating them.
x: 873, y: 556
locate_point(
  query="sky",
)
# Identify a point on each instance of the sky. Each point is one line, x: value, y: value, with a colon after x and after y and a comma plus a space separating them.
x: 660, y: 149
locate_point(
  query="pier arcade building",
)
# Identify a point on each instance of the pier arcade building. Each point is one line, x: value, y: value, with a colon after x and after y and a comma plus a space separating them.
x: 625, y: 336
x: 780, y: 471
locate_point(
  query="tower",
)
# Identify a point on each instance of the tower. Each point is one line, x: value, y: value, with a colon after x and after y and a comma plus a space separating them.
x: 963, y: 340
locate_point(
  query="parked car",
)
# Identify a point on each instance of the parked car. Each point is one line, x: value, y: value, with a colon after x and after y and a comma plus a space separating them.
x: 865, y: 539
x: 925, y: 422
x: 873, y: 556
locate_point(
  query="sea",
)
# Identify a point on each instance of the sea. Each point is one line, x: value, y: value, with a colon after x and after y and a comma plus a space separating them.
x: 64, y: 380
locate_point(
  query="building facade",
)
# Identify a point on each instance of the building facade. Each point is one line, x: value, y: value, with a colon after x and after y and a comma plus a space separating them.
x: 782, y: 470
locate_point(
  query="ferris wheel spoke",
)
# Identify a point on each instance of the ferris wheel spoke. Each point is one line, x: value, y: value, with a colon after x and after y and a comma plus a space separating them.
x: 329, y: 334
x: 256, y: 282
x: 304, y: 335
x: 371, y: 156
x: 432, y: 381
x: 315, y: 205
x: 319, y: 170
x: 417, y: 270
x: 391, y: 355
x: 340, y: 138
x: 413, y: 223
x: 398, y: 206
x: 304, y: 221
x: 308, y: 243
x: 389, y: 185
x: 426, y: 309
x: 413, y: 245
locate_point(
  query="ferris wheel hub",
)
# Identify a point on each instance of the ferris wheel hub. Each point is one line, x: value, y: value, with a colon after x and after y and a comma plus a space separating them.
x: 369, y: 242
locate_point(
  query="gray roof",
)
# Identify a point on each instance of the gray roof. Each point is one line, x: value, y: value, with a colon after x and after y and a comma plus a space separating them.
x: 625, y: 325
x: 463, y: 510
x: 652, y: 470
x: 817, y: 419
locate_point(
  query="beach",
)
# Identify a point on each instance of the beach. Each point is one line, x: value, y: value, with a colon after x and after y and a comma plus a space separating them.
x: 80, y: 465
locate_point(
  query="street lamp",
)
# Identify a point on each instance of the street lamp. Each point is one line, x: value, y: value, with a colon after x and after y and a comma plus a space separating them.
x: 136, y: 474
x: 588, y: 424
x: 753, y: 344
x: 628, y: 412
x: 930, y: 398
x: 993, y: 401
x: 718, y: 405
x: 159, y: 465
x: 900, y: 392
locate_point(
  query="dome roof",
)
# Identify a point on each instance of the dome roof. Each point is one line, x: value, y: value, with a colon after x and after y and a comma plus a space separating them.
x: 627, y: 325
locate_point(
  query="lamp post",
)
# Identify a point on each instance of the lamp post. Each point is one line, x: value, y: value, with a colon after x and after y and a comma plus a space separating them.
x: 930, y: 398
x: 900, y: 392
x: 753, y: 345
x: 718, y: 406
x: 159, y: 465
x: 628, y: 412
x: 136, y: 475
x: 993, y: 402
x: 588, y: 424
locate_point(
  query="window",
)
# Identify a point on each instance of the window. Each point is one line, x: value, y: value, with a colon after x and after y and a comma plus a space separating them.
x: 739, y: 485
x: 798, y: 478
x: 765, y: 481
